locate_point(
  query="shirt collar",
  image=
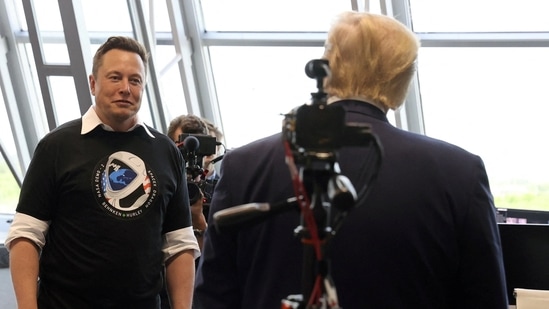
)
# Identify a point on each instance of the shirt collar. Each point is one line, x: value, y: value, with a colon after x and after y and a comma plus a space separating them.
x: 333, y: 99
x: 357, y: 106
x: 90, y: 121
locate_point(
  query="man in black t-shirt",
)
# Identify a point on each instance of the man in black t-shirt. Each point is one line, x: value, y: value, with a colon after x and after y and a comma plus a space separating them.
x: 104, y: 204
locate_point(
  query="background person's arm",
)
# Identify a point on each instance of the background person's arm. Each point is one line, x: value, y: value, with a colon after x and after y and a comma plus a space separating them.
x: 199, y: 220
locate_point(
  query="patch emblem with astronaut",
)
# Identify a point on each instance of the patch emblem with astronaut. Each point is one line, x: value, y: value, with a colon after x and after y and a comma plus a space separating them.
x: 123, y: 186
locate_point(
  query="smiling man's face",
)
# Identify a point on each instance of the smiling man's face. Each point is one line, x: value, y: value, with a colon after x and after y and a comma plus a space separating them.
x: 118, y: 88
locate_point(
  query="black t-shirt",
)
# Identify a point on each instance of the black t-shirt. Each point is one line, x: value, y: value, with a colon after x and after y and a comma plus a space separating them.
x: 110, y: 198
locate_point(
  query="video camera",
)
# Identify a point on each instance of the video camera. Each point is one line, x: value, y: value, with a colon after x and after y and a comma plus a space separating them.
x: 315, y: 131
x: 194, y: 148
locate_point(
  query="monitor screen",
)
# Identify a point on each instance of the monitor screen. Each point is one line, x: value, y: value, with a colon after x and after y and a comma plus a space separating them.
x: 525, y: 256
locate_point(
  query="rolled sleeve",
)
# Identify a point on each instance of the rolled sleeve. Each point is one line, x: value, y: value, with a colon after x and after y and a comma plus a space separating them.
x: 25, y: 226
x: 180, y: 240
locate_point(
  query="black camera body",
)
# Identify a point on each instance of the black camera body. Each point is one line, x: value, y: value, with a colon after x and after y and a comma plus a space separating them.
x: 194, y: 148
x: 205, y: 145
x: 318, y: 129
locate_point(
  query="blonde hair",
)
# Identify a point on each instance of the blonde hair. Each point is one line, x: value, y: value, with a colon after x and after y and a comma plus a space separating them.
x: 370, y: 56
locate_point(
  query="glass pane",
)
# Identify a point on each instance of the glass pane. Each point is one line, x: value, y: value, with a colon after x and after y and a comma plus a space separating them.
x: 65, y: 100
x: 114, y: 19
x: 56, y: 54
x: 490, y: 101
x: 9, y: 189
x: 479, y: 15
x: 38, y: 110
x: 48, y: 19
x: 173, y: 96
x: 264, y: 15
x: 48, y: 15
x: 145, y: 114
x: 161, y: 17
x: 257, y: 85
x: 22, y: 22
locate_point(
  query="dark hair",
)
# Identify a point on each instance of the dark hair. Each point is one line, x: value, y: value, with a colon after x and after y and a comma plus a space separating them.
x: 188, y: 124
x: 119, y: 42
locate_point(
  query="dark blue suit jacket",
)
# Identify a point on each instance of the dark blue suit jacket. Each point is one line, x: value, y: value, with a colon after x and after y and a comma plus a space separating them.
x: 424, y: 237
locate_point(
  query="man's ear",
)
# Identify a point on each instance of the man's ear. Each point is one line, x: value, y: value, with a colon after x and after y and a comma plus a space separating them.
x: 92, y: 84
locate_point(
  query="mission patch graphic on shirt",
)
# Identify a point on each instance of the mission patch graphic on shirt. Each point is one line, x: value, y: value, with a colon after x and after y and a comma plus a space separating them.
x: 123, y: 186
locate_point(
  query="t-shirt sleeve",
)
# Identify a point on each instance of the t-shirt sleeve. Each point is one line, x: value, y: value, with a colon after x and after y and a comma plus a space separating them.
x: 38, y: 191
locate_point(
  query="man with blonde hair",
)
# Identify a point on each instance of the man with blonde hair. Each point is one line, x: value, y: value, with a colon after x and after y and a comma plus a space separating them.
x: 425, y: 236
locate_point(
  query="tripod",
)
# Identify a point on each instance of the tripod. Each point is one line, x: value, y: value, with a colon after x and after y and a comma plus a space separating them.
x: 312, y: 134
x: 322, y: 177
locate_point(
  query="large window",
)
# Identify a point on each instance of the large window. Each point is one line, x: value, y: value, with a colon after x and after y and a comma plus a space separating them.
x: 241, y: 64
x: 256, y: 86
x: 493, y: 107
x: 482, y: 88
x: 479, y: 15
x: 269, y: 16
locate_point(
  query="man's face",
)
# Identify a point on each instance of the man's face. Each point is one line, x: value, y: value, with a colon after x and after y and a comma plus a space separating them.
x: 176, y: 134
x: 208, y: 159
x: 118, y: 88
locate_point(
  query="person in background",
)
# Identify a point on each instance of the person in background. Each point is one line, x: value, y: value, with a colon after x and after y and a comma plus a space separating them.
x: 208, y: 165
x: 104, y: 204
x: 213, y: 164
x: 191, y: 124
x: 186, y: 124
x: 425, y: 236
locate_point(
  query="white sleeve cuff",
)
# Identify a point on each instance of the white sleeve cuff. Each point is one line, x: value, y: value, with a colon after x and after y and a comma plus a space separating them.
x: 180, y: 240
x: 27, y: 227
